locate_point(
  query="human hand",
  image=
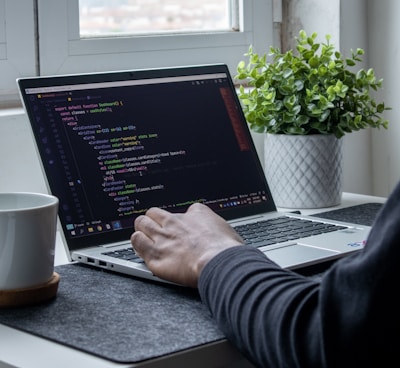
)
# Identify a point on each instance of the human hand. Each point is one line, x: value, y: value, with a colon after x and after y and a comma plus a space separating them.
x: 177, y: 246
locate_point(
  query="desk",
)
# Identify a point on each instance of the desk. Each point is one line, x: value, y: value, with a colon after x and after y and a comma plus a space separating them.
x: 20, y: 349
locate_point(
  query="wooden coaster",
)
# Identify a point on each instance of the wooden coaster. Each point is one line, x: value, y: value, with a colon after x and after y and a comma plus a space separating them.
x: 30, y: 296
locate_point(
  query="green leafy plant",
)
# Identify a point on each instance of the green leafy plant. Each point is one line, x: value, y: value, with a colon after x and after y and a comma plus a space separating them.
x: 313, y: 92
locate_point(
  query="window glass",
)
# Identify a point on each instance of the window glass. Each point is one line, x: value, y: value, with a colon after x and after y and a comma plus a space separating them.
x: 122, y: 17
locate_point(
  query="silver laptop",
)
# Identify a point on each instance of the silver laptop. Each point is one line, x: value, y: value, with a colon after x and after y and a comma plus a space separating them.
x: 114, y: 144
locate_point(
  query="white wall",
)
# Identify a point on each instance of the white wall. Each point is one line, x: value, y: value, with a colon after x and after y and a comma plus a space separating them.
x: 374, y: 26
x: 384, y: 46
x: 19, y: 164
x: 358, y: 146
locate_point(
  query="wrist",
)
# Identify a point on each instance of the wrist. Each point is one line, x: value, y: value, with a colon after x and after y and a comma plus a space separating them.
x: 207, y: 256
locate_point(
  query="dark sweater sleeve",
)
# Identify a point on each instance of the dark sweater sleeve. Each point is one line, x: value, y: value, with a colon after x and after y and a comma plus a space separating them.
x: 278, y: 318
x: 263, y: 309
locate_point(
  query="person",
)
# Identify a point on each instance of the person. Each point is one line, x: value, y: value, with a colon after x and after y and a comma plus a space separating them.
x: 350, y: 317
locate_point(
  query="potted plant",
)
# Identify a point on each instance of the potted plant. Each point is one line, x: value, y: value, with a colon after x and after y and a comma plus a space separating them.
x: 312, y: 95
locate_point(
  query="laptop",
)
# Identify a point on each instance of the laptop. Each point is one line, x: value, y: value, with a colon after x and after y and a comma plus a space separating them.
x: 114, y: 144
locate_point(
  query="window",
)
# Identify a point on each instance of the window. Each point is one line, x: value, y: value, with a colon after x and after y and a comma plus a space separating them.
x: 139, y: 17
x: 65, y: 48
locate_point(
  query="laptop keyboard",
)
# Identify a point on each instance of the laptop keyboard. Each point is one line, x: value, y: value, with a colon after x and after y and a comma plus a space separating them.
x: 128, y: 254
x: 282, y: 229
x: 260, y: 233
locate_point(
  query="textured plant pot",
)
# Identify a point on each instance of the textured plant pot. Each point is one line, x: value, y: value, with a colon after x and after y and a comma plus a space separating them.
x: 304, y: 171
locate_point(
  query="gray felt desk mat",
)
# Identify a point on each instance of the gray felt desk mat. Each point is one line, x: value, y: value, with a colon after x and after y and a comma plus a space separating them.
x: 117, y: 317
x: 127, y: 320
x: 363, y: 214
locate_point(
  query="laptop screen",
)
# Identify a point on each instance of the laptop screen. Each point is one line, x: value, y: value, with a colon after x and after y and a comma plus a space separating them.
x: 114, y: 144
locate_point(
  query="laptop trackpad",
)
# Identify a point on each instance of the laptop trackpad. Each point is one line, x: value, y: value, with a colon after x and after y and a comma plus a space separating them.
x: 296, y: 254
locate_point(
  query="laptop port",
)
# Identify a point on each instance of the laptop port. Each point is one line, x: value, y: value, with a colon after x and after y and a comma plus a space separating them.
x: 102, y: 263
x: 90, y: 260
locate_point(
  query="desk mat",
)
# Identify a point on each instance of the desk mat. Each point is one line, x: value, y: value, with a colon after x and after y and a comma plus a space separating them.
x: 127, y: 320
x: 362, y: 214
x: 117, y: 317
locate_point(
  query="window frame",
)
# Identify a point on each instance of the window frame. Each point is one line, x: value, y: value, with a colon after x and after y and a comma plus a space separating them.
x: 61, y: 20
x: 41, y: 37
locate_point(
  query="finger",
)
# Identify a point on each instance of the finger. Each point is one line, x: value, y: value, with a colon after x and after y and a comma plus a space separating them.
x: 157, y: 214
x: 140, y: 242
x: 198, y: 207
x: 145, y: 223
x: 148, y: 231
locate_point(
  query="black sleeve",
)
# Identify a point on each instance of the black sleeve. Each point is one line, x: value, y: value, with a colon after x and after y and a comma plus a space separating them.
x: 278, y: 318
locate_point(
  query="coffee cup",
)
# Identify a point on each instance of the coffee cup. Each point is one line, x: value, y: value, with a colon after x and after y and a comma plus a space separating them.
x: 28, y: 226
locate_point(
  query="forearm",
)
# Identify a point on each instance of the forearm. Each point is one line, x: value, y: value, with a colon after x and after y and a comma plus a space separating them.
x: 269, y: 314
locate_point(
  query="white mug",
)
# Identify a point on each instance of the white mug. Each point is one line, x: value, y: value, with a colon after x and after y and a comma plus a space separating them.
x: 28, y: 226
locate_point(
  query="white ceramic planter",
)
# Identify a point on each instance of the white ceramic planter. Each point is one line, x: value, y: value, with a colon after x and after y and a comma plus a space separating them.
x: 304, y: 171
